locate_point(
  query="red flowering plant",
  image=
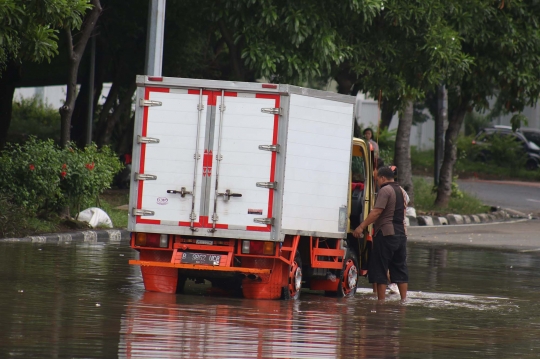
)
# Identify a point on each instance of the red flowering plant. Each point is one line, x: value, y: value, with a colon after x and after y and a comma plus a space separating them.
x: 30, y: 175
x: 86, y: 173
x: 43, y: 178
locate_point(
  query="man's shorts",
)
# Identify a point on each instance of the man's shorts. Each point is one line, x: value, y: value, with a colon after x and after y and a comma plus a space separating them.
x: 389, y: 253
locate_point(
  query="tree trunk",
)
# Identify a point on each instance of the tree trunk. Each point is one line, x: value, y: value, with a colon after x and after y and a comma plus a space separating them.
x: 345, y: 79
x: 387, y: 112
x: 402, y: 157
x: 440, y: 118
x: 76, y: 51
x: 123, y: 106
x: 455, y: 120
x: 80, y: 110
x: 9, y: 78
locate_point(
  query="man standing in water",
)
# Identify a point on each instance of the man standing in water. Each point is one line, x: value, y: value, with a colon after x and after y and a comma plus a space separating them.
x: 390, y: 240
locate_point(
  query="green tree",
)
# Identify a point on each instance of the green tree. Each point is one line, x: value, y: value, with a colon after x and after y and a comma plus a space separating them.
x: 503, y: 39
x: 404, y: 52
x: 28, y: 32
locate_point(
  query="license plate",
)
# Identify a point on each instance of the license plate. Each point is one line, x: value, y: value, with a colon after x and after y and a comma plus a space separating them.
x: 201, y: 258
x: 202, y: 241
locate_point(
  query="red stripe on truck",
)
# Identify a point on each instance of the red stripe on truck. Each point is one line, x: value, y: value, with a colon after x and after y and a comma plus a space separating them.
x: 144, y: 130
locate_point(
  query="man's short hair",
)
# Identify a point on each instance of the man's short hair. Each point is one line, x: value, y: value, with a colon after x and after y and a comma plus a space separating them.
x: 367, y: 129
x: 386, y: 172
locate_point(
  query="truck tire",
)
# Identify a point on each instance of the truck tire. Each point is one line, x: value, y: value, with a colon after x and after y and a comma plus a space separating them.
x: 348, y: 278
x: 292, y: 290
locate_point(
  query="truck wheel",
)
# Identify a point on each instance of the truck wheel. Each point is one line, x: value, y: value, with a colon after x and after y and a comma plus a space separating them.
x: 348, y: 280
x: 292, y: 290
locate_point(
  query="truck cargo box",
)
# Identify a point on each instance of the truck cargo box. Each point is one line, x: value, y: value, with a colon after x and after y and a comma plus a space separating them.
x: 240, y: 160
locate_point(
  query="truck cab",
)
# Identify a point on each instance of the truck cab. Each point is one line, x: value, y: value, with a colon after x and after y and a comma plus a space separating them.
x: 253, y: 187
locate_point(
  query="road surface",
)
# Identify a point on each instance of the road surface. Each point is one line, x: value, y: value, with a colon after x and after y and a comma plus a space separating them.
x: 521, y: 236
x: 520, y: 196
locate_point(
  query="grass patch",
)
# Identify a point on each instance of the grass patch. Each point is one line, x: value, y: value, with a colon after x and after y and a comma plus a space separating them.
x: 119, y: 217
x: 16, y: 223
x: 424, y: 200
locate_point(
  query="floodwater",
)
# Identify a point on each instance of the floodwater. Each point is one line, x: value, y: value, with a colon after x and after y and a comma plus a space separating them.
x: 85, y: 301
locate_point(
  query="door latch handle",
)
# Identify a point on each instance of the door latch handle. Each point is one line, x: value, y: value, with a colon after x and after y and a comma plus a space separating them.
x: 227, y: 195
x: 182, y: 192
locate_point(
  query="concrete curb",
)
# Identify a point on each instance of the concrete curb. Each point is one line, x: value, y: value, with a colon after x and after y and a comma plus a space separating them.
x: 500, y: 215
x: 90, y: 236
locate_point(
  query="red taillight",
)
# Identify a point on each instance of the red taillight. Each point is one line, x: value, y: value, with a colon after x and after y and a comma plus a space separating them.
x: 155, y: 78
x: 152, y: 240
x: 256, y: 247
x: 269, y: 86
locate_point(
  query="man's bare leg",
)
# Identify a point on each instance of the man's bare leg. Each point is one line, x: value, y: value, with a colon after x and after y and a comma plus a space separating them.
x: 381, y: 291
x: 403, y: 287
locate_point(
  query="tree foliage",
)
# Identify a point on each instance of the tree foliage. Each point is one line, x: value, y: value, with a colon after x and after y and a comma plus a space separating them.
x: 503, y: 40
x: 29, y: 29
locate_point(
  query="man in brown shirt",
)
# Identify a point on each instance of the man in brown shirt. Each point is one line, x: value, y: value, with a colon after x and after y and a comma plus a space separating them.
x: 389, y: 240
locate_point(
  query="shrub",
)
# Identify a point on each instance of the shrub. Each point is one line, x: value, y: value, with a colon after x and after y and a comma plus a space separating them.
x: 44, y: 178
x: 87, y: 173
x: 474, y: 122
x: 13, y: 218
x: 31, y: 175
x: 31, y: 116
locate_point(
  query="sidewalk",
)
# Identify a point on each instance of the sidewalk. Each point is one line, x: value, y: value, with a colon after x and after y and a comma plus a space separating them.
x: 88, y: 236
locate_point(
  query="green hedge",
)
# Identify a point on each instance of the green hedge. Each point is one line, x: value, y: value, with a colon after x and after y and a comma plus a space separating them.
x: 44, y: 178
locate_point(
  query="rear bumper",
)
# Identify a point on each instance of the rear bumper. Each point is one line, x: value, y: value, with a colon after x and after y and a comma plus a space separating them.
x: 201, y: 267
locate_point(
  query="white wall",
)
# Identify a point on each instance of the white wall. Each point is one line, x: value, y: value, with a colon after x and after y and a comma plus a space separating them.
x: 367, y: 115
x: 54, y: 96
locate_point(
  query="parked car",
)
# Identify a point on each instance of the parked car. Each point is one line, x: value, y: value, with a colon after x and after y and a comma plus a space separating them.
x: 532, y: 135
x: 531, y: 149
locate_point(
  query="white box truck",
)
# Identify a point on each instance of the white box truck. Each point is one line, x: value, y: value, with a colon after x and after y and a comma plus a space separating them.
x: 250, y: 186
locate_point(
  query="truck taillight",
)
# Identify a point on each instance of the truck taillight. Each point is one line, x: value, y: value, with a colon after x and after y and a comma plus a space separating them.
x: 140, y: 239
x: 258, y: 247
x: 152, y: 240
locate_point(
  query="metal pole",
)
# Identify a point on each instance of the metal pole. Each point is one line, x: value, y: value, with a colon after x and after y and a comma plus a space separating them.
x: 442, y: 116
x: 154, y: 37
x: 90, y: 118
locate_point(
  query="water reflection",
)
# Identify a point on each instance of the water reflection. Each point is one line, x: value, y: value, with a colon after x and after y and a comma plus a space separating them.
x: 166, y: 326
x: 75, y: 301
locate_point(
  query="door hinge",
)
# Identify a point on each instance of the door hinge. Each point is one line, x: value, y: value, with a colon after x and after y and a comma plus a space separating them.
x: 272, y: 110
x: 271, y: 185
x: 271, y: 148
x: 141, y: 139
x: 141, y: 212
x: 269, y: 221
x: 149, y: 103
x: 144, y: 177
x: 200, y: 106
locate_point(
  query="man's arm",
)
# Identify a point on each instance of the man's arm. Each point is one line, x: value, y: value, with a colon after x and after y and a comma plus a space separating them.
x: 372, y: 217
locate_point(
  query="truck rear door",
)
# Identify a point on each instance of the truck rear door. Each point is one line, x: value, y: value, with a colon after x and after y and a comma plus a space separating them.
x: 245, y: 143
x: 170, y: 170
x: 206, y: 161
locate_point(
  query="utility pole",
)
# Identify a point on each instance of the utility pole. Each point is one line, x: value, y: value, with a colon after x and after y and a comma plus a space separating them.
x: 154, y: 38
x: 440, y: 119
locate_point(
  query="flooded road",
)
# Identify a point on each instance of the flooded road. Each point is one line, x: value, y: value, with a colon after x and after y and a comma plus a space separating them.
x: 85, y: 301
